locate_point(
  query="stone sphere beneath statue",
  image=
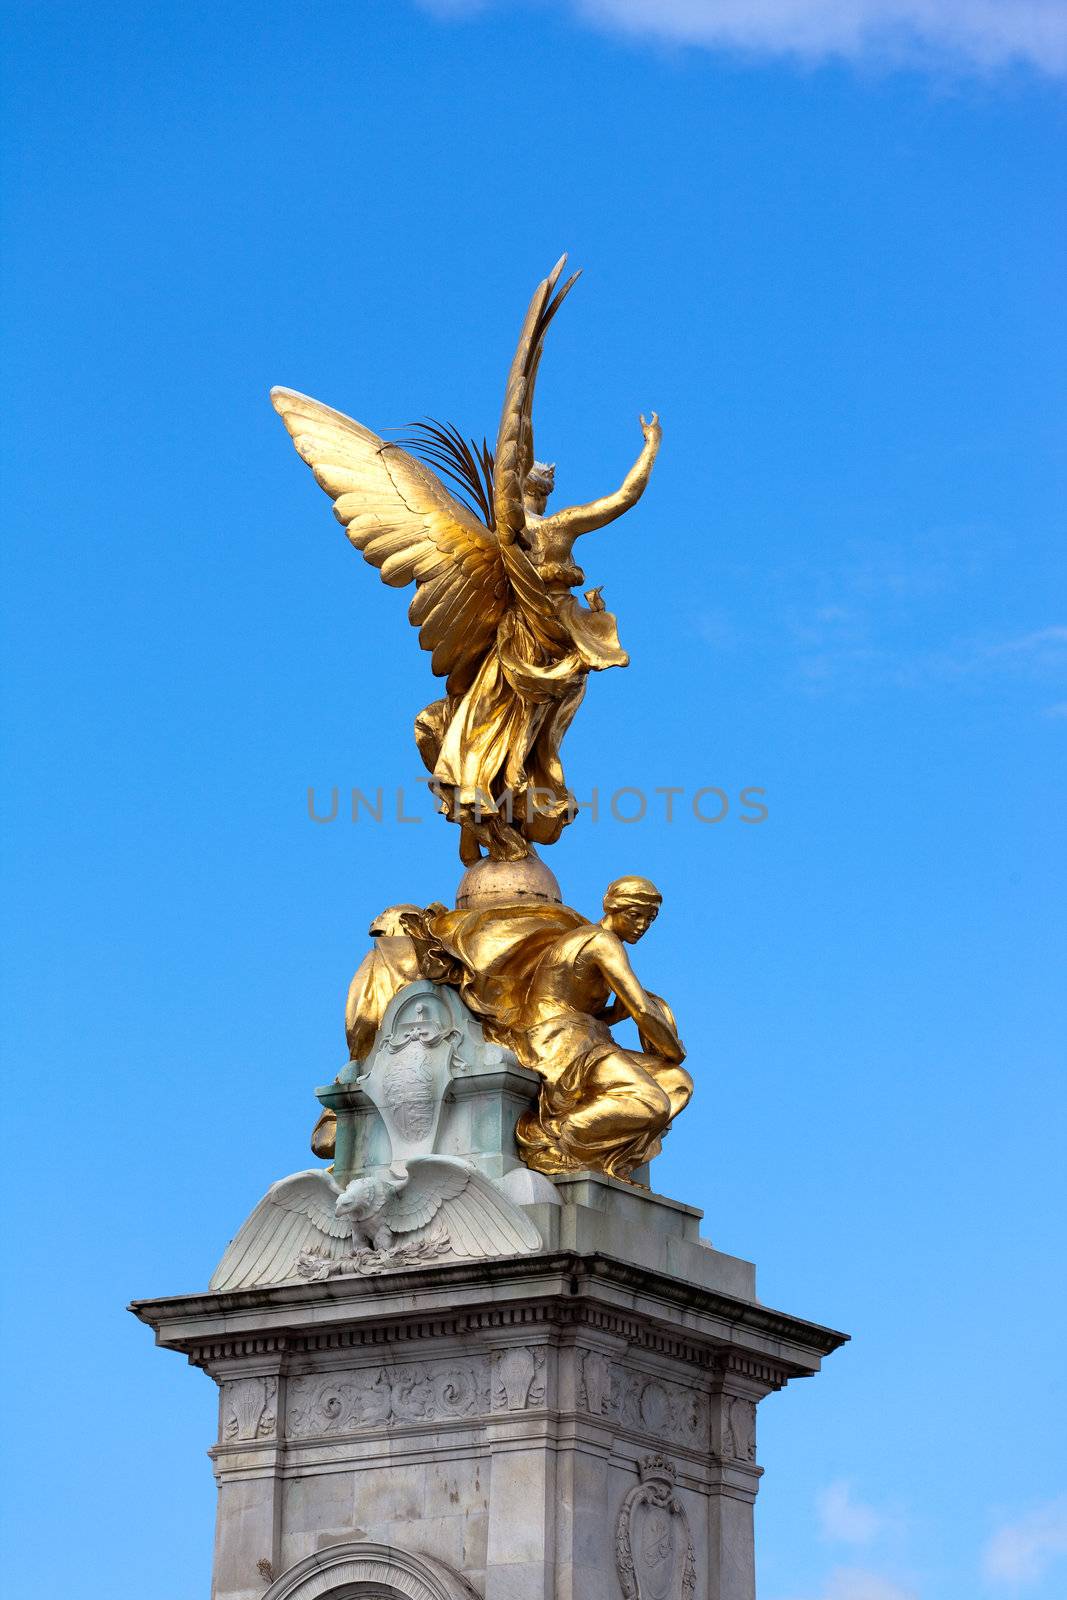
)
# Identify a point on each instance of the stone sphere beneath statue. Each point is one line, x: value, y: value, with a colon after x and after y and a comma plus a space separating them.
x: 501, y: 883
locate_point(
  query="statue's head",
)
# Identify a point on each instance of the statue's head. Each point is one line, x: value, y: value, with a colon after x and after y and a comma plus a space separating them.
x: 365, y: 1197
x: 360, y: 1199
x: 631, y: 906
x: 387, y: 923
x: 540, y: 482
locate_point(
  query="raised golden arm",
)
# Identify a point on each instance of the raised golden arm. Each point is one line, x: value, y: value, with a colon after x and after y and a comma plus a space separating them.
x: 583, y: 519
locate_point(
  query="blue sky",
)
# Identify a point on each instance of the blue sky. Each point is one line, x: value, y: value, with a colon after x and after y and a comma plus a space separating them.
x: 831, y: 257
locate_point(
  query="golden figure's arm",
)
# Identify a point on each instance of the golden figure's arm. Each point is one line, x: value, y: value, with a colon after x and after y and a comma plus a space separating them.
x: 583, y: 519
x: 611, y: 957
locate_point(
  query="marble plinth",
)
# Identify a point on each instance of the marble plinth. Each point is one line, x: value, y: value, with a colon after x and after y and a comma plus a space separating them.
x: 575, y: 1424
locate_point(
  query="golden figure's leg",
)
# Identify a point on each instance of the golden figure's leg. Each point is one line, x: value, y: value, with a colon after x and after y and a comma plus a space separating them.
x: 469, y: 848
x: 675, y: 1082
x: 620, y: 1115
x: 505, y: 843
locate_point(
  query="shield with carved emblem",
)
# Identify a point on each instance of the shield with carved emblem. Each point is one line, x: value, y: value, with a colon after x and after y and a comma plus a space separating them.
x: 653, y: 1545
x: 411, y: 1070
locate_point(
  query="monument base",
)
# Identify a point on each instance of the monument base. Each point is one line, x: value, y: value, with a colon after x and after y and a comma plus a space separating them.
x: 576, y: 1424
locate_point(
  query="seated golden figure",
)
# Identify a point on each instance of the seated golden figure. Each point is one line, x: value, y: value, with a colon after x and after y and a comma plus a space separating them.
x: 541, y: 979
x: 602, y: 1106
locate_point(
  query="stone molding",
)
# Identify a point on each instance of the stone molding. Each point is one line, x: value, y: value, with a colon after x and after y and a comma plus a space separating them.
x: 598, y: 1291
x: 346, y: 1571
x: 277, y: 1348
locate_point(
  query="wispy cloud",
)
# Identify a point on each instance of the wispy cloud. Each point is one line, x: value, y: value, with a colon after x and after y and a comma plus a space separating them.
x: 859, y: 1583
x: 1045, y: 644
x: 846, y: 1520
x: 977, y: 35
x: 887, y: 616
x: 1023, y: 1551
x: 980, y: 34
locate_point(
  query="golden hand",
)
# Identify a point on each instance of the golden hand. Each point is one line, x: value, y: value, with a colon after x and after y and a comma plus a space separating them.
x: 652, y: 431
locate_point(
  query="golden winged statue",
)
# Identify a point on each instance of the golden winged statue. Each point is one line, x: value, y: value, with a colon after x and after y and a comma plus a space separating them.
x: 493, y: 577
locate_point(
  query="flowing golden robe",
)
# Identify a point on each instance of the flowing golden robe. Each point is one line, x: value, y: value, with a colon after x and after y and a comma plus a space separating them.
x: 540, y: 978
x: 496, y: 748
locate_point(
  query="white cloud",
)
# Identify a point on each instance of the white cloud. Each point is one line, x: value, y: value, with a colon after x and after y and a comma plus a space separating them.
x: 1042, y: 642
x: 858, y: 1583
x: 975, y: 33
x: 846, y: 1520
x: 1022, y: 1552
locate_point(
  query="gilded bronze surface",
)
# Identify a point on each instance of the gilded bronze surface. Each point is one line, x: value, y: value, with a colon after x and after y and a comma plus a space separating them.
x: 389, y: 964
x: 549, y: 984
x: 493, y: 601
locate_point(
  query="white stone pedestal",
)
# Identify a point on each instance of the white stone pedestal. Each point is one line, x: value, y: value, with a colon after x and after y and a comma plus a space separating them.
x: 577, y: 1424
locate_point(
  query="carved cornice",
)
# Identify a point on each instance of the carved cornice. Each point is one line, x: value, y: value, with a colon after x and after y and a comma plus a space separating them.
x: 560, y: 1290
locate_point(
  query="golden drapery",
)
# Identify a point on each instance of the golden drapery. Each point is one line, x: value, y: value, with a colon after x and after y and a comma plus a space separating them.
x: 502, y: 737
x: 601, y: 1105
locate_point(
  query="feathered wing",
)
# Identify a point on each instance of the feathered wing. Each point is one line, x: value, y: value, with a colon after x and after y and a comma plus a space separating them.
x: 514, y: 442
x: 431, y: 1181
x: 403, y: 520
x: 514, y: 458
x: 482, y: 1222
x: 479, y: 1220
x: 295, y: 1214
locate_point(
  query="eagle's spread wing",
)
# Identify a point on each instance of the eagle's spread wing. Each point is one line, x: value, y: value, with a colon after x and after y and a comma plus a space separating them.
x: 431, y: 1181
x: 478, y: 1219
x: 405, y: 523
x: 514, y: 442
x: 483, y: 1222
x: 295, y: 1214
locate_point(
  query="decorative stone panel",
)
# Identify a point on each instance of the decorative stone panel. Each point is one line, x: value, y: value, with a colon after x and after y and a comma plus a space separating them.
x: 643, y: 1402
x: 384, y: 1396
x: 519, y: 1378
x: 249, y: 1409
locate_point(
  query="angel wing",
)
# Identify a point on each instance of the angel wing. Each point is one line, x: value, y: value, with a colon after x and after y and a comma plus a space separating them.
x: 477, y: 1218
x: 514, y: 442
x: 295, y: 1214
x: 403, y: 520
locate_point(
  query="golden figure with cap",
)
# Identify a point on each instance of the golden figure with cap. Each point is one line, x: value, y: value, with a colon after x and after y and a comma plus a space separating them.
x: 493, y: 603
